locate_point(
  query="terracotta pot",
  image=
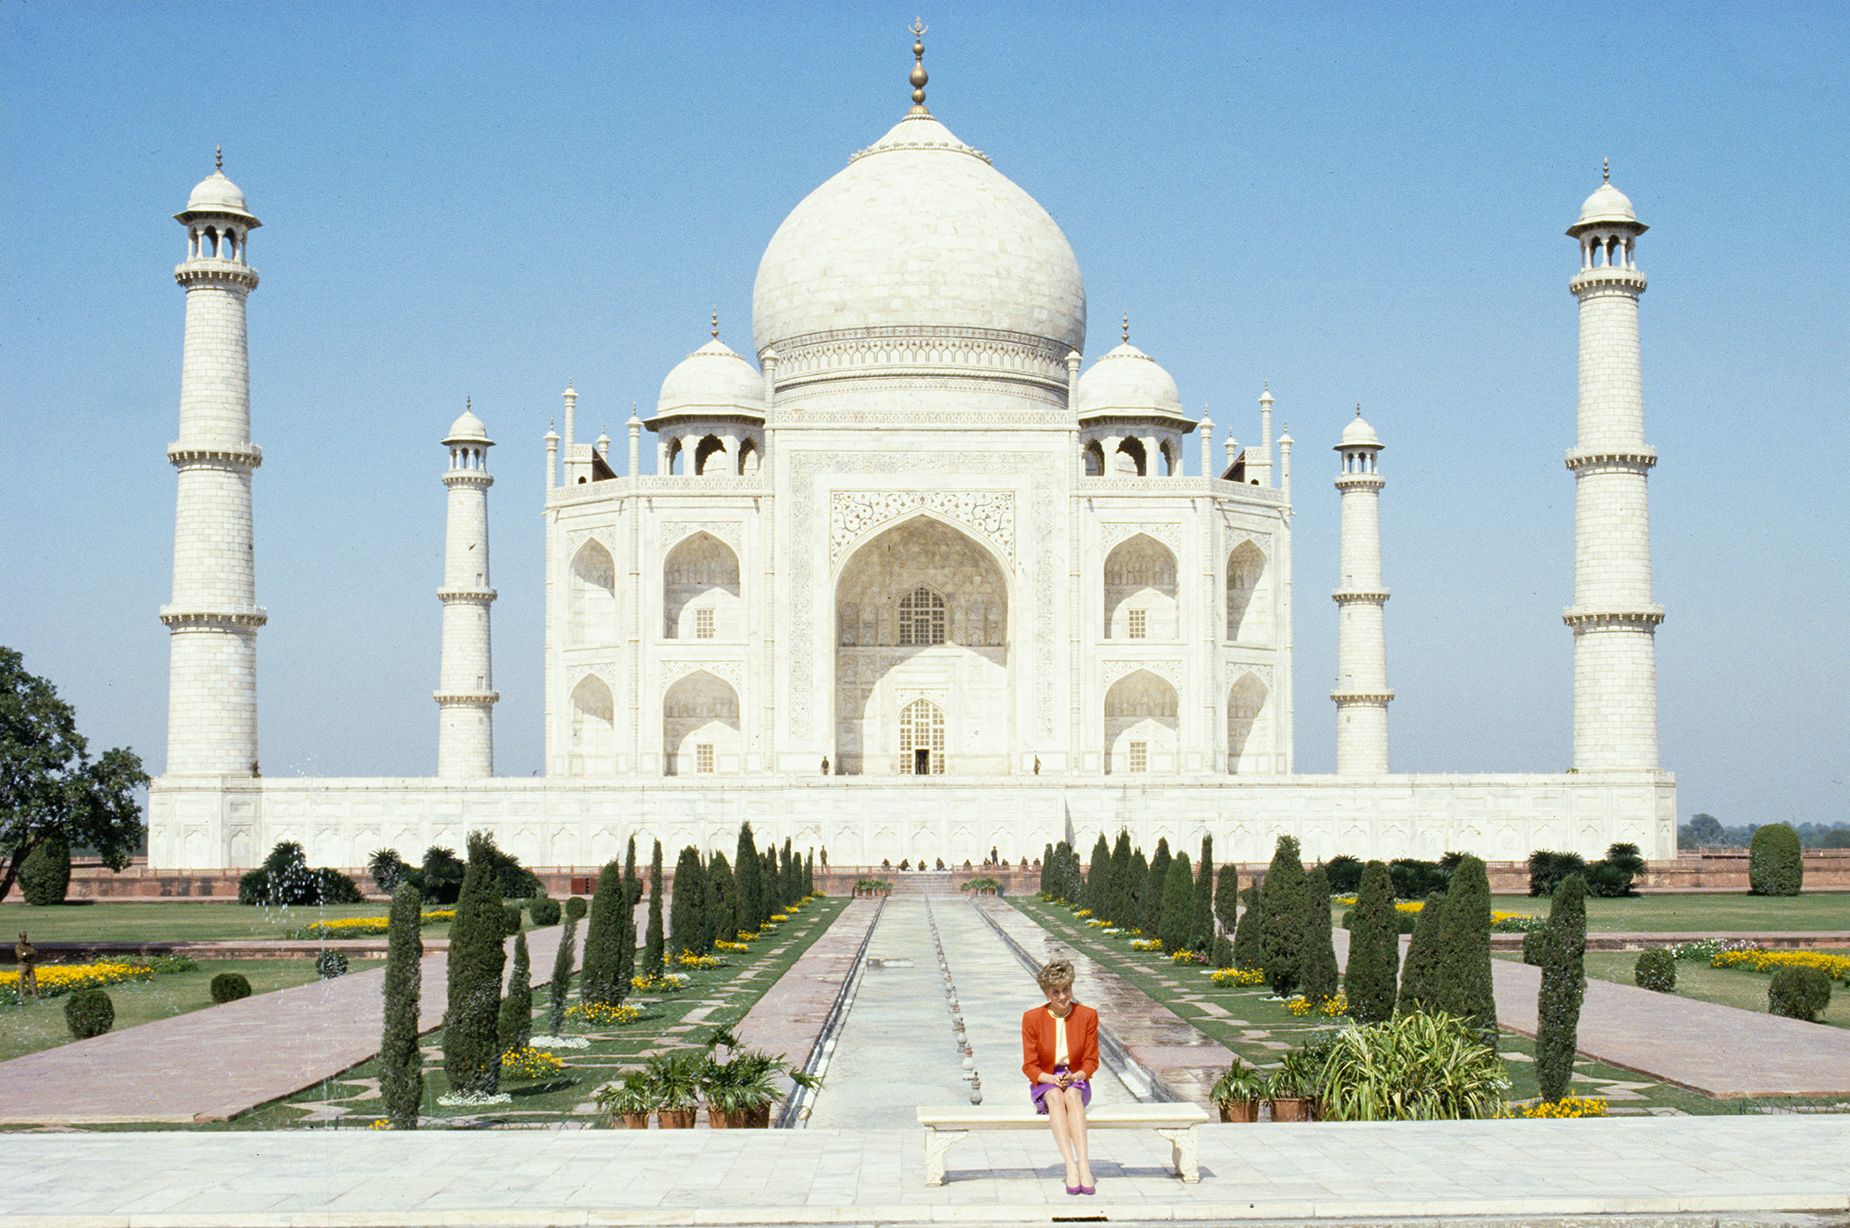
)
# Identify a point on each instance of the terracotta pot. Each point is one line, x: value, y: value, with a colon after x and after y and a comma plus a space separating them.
x: 635, y: 1121
x: 722, y: 1119
x: 758, y: 1118
x: 1239, y: 1110
x: 1291, y: 1108
x: 677, y: 1119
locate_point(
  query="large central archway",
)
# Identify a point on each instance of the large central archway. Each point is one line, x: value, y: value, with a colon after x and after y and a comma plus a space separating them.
x: 921, y: 614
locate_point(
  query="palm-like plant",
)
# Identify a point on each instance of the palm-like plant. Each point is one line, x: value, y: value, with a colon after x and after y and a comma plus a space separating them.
x: 1413, y: 1067
x: 1238, y: 1082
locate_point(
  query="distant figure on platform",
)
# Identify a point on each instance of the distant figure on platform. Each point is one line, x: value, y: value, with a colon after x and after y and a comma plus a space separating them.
x: 1059, y: 1054
x: 28, y: 957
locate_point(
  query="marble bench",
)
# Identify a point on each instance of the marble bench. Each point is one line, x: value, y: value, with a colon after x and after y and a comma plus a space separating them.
x: 944, y: 1127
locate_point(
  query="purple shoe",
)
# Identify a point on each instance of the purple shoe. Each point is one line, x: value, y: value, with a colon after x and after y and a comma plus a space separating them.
x: 1088, y: 1189
x: 1075, y: 1189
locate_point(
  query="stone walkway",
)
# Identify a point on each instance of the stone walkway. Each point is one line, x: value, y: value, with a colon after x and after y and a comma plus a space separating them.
x: 789, y: 1019
x: 1718, y: 1050
x: 1526, y: 1170
x: 212, y: 1064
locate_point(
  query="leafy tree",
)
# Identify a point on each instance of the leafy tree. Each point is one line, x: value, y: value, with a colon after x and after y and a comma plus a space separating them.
x: 1702, y: 831
x: 1374, y: 948
x: 1319, y: 967
x: 401, y: 1063
x: 284, y: 878
x: 1248, y: 941
x: 598, y: 975
x: 471, y: 1054
x: 1345, y: 874
x: 746, y: 870
x: 684, y: 924
x: 49, y: 784
x: 1775, y: 865
x: 1419, y: 975
x: 1227, y: 898
x: 514, y: 1023
x: 1201, y: 915
x: 1177, y: 915
x: 441, y: 874
x: 561, y: 983
x: 45, y: 879
x: 1156, y: 884
x: 1564, y: 985
x: 1463, y: 984
x: 1123, y: 891
x: 1098, y: 879
x: 388, y: 869
x: 1283, y: 894
x: 654, y: 953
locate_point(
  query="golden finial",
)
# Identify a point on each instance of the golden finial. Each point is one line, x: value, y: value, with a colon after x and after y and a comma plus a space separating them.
x: 218, y: 158
x: 715, y: 324
x: 1127, y: 328
x: 918, y: 77
x: 1605, y: 170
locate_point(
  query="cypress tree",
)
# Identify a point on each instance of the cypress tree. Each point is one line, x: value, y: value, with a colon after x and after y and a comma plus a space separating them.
x: 1156, y: 887
x: 653, y: 959
x: 471, y: 1058
x: 745, y: 871
x: 1419, y: 990
x: 1248, y: 943
x: 1048, y: 873
x: 626, y: 927
x: 809, y: 874
x: 1201, y: 918
x: 599, y: 969
x: 561, y: 976
x: 1227, y: 898
x: 514, y: 1025
x: 1319, y: 948
x: 1463, y: 983
x: 1138, y: 882
x: 1178, y: 911
x: 684, y: 923
x: 793, y: 875
x: 1564, y: 984
x: 1281, y: 934
x: 401, y: 1064
x: 722, y: 898
x: 1374, y: 948
x: 1121, y: 905
x: 770, y: 901
x: 1098, y: 879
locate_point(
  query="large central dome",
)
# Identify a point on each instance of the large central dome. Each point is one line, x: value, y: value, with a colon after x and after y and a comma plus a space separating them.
x: 920, y: 239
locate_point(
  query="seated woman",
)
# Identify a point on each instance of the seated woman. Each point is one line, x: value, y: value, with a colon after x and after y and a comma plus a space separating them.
x: 1059, y: 1054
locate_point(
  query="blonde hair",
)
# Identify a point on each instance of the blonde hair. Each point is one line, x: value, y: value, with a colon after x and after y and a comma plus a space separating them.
x: 1056, y: 974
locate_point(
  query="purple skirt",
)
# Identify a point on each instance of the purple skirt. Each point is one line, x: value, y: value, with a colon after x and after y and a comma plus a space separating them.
x: 1038, y: 1092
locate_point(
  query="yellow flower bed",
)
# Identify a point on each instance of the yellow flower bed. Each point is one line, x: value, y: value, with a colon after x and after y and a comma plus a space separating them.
x: 1134, y: 932
x: 748, y: 935
x: 1347, y: 901
x: 530, y: 1063
x: 380, y: 1123
x: 1510, y: 916
x: 1329, y: 1008
x: 778, y: 916
x: 1759, y: 959
x: 364, y: 927
x: 1146, y: 944
x: 1335, y: 1007
x: 667, y: 982
x: 602, y: 1014
x: 687, y: 959
x: 54, y: 979
x: 723, y: 945
x: 1097, y: 923
x: 1186, y: 956
x: 1082, y: 912
x: 1409, y: 905
x: 1241, y: 977
x: 1566, y: 1106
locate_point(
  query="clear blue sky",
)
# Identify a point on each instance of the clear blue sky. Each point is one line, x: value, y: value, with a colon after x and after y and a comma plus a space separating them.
x: 1357, y: 202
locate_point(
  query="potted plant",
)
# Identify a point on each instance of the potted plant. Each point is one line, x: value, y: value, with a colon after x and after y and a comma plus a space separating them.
x: 1292, y: 1088
x: 740, y: 1091
x: 674, y: 1081
x: 630, y: 1100
x: 1238, y: 1092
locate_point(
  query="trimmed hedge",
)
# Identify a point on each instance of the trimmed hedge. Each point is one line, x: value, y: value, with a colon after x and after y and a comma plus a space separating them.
x: 331, y: 964
x: 1774, y: 865
x: 1564, y: 987
x: 229, y: 987
x: 1799, y: 993
x: 1374, y: 948
x: 401, y: 1061
x: 1282, y: 896
x: 89, y: 1012
x: 1535, y: 947
x: 1463, y: 981
x: 1656, y: 970
x: 545, y: 911
x: 576, y: 907
x: 45, y: 878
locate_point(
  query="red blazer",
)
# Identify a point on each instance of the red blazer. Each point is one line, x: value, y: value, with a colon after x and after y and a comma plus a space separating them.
x: 1037, y: 1041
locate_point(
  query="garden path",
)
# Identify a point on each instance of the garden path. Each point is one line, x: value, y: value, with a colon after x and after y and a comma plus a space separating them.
x: 212, y: 1064
x: 1718, y: 1050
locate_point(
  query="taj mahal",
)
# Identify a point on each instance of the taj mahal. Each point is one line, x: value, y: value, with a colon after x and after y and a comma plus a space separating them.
x: 916, y: 576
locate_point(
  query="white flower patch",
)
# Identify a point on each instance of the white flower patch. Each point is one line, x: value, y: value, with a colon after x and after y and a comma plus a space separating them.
x: 560, y: 1042
x: 473, y: 1100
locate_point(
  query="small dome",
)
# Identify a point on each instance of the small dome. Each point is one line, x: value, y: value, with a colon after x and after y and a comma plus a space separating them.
x: 712, y: 380
x: 467, y: 429
x: 218, y: 195
x: 1128, y: 381
x: 1606, y: 207
x: 1358, y: 434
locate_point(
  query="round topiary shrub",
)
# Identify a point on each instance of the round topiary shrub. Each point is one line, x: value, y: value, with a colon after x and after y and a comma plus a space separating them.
x: 1656, y: 970
x: 511, y: 920
x: 331, y: 964
x: 1534, y: 947
x: 576, y: 908
x: 544, y: 911
x: 45, y: 876
x: 89, y: 1012
x: 1774, y: 865
x: 1799, y: 993
x: 229, y: 987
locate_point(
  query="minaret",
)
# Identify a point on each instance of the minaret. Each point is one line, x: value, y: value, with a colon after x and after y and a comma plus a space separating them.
x: 465, y: 677
x: 1261, y: 471
x: 213, y: 618
x: 1613, y: 617
x: 1361, y: 694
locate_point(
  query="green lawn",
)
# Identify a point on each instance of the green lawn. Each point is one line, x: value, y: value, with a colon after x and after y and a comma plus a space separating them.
x: 1740, y: 987
x: 1695, y: 912
x: 1254, y: 1017
x: 31, y: 1026
x: 177, y: 921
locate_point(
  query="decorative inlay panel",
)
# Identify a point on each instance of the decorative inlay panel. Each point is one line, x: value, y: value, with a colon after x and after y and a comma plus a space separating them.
x: 855, y: 513
x: 1167, y: 533
x: 726, y: 671
x: 1168, y: 671
x: 670, y: 533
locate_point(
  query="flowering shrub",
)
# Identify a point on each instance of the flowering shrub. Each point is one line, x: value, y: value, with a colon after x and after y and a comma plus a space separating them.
x: 1096, y: 923
x: 1238, y: 976
x: 603, y: 1014
x: 1082, y: 912
x: 1186, y: 956
x: 1516, y: 922
x: 1566, y: 1106
x: 687, y: 959
x: 527, y: 1062
x: 666, y: 982
x: 1146, y: 944
x: 779, y: 916
x: 380, y: 1123
x: 1409, y: 905
x: 723, y: 945
x: 1134, y: 932
x: 748, y: 935
x: 364, y: 927
x: 1330, y: 1008
x: 55, y: 979
x: 1759, y: 959
x: 1334, y: 1007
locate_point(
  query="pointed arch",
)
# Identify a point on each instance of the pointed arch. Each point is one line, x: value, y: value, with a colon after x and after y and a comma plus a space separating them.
x: 700, y: 727
x: 1245, y: 613
x: 1141, y: 722
x: 1140, y: 575
x: 701, y: 573
x: 592, y: 600
x: 709, y: 447
x: 1130, y: 460
x: 750, y: 459
x: 1094, y: 457
x: 594, y: 734
x: 1248, y: 751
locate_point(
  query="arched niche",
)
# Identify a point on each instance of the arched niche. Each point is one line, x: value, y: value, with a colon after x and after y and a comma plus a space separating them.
x: 1140, y: 724
x: 593, y: 596
x: 700, y: 727
x: 701, y: 573
x: 1246, y: 614
x: 922, y: 611
x: 1140, y: 575
x: 1094, y: 457
x: 594, y: 732
x: 1130, y: 460
x: 710, y: 455
x: 1248, y: 729
x: 750, y: 459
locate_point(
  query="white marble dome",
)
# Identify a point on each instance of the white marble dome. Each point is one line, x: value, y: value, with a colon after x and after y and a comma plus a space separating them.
x: 1606, y: 206
x: 1128, y: 381
x: 467, y: 429
x: 217, y: 194
x: 1359, y: 434
x: 714, y: 379
x: 919, y: 231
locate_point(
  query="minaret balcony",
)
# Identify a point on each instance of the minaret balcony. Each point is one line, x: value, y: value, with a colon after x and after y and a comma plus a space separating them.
x: 467, y: 699
x: 236, y: 456
x: 1587, y: 281
x: 481, y: 595
x: 225, y: 274
x: 1350, y: 596
x: 1632, y: 459
x: 225, y: 617
x: 1582, y: 618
